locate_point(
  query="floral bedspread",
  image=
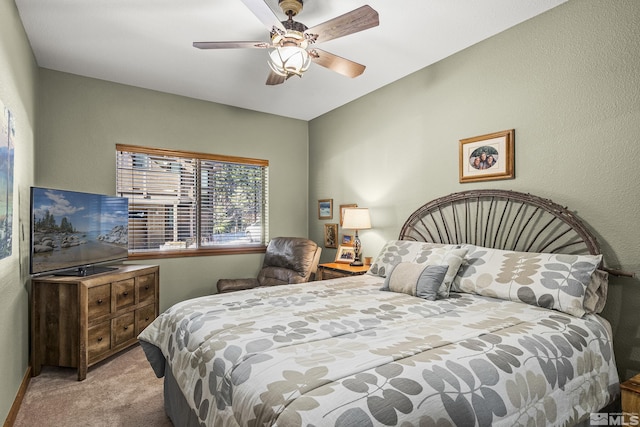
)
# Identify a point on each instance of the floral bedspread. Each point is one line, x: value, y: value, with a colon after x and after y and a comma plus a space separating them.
x: 343, y: 353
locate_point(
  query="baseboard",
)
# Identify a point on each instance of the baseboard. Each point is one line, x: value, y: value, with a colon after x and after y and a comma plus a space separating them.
x: 13, y: 412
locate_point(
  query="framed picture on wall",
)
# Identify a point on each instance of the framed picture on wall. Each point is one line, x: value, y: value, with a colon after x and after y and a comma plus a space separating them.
x: 331, y: 235
x: 347, y: 239
x: 487, y: 157
x: 345, y: 254
x: 325, y: 209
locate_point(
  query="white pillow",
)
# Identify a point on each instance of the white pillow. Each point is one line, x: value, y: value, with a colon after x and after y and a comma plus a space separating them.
x: 555, y: 281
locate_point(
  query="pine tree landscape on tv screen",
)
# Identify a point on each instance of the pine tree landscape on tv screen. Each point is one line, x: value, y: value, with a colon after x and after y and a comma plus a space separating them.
x: 72, y: 229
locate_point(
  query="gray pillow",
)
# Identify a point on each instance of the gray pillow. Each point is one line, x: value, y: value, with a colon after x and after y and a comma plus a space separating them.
x: 418, y: 280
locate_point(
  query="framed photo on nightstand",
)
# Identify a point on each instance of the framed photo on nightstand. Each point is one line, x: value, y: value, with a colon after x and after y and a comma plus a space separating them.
x: 345, y: 254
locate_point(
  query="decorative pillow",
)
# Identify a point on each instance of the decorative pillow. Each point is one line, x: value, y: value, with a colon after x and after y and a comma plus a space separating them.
x: 425, y: 253
x: 555, y: 281
x: 416, y: 279
x: 394, y: 252
x: 436, y: 254
x: 596, y: 294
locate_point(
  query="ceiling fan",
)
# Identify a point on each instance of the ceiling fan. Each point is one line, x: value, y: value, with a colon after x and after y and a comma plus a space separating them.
x: 293, y: 43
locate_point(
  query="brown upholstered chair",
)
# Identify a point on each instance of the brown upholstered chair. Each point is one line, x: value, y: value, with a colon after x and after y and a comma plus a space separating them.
x: 287, y: 260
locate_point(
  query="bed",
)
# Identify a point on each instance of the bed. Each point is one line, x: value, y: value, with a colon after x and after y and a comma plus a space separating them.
x: 483, y: 312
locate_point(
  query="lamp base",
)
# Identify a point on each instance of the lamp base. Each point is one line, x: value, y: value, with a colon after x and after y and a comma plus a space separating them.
x: 356, y: 263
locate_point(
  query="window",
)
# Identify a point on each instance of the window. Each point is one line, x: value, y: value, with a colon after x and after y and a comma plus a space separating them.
x: 183, y: 203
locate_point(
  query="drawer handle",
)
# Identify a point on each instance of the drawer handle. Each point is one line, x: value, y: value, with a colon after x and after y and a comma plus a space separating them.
x: 146, y: 318
x: 100, y: 302
x: 125, y: 293
x: 146, y: 288
x: 99, y: 339
x: 126, y: 327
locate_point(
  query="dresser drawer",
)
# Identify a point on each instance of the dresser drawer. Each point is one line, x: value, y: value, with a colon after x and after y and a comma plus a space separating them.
x: 99, y: 339
x: 332, y: 274
x: 124, y: 293
x: 144, y: 317
x: 146, y: 288
x: 123, y: 328
x: 99, y: 301
x: 336, y: 270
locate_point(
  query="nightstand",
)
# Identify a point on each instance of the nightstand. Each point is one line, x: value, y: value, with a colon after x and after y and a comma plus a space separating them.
x: 334, y: 270
x: 631, y: 398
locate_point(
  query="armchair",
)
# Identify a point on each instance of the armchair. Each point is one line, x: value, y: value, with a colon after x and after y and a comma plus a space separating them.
x: 287, y: 260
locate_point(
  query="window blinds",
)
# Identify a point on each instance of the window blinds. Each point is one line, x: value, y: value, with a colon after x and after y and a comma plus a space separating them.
x: 191, y: 201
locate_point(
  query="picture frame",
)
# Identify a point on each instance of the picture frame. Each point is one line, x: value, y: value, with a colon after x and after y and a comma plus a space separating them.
x: 331, y: 235
x: 487, y: 157
x: 345, y: 254
x: 347, y: 239
x: 325, y: 209
x: 342, y: 208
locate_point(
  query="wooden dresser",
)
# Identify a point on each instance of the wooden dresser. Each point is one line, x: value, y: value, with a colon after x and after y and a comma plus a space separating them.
x: 79, y: 321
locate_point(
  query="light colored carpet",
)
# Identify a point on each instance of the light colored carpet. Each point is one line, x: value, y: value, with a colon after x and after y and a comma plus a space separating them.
x: 120, y: 391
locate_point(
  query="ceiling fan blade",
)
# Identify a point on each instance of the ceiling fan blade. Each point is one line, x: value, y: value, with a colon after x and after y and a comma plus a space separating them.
x: 357, y: 20
x: 336, y: 63
x: 264, y: 13
x: 275, y: 79
x: 231, y: 45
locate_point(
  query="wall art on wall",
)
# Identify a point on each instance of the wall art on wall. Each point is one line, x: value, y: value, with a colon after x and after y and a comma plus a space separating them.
x: 331, y: 235
x: 487, y: 157
x: 347, y: 239
x: 7, y: 149
x: 325, y: 209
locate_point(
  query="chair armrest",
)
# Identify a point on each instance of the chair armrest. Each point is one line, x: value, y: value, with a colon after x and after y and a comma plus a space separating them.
x: 230, y: 285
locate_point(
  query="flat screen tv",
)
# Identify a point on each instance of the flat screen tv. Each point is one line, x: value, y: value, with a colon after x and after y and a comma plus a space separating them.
x: 76, y: 234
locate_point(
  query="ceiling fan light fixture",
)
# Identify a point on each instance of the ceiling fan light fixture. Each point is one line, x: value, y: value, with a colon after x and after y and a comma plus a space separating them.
x: 289, y: 60
x: 288, y: 54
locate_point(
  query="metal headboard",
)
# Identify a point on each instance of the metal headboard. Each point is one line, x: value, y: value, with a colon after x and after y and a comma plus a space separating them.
x: 501, y: 219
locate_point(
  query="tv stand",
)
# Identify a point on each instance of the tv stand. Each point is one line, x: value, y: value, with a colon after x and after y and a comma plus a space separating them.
x: 77, y: 322
x: 85, y: 271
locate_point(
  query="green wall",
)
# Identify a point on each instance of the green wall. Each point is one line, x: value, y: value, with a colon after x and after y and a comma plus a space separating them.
x: 82, y: 119
x: 18, y: 77
x: 567, y: 81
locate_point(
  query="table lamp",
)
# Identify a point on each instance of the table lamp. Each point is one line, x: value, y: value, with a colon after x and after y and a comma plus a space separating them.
x: 356, y: 219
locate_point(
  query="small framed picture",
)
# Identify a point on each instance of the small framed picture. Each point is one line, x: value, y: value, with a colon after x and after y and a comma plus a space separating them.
x: 487, y: 157
x: 347, y: 239
x: 342, y: 208
x: 331, y: 235
x: 345, y: 254
x: 325, y: 209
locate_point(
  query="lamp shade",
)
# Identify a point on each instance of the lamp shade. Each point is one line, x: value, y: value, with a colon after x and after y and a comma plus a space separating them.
x: 356, y: 219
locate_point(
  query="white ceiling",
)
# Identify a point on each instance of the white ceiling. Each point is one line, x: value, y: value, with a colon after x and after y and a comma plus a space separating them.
x: 148, y: 43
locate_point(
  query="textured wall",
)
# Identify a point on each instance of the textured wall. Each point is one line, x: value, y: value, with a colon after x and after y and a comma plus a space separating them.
x: 18, y: 74
x: 82, y: 119
x: 568, y: 81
